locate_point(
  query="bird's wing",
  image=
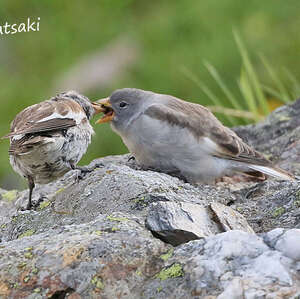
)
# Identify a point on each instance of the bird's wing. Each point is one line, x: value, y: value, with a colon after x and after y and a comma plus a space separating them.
x: 44, y: 126
x: 46, y: 116
x: 221, y: 141
x: 26, y: 144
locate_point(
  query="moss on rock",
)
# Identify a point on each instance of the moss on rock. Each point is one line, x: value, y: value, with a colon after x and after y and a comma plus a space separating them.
x: 170, y: 272
x: 10, y: 195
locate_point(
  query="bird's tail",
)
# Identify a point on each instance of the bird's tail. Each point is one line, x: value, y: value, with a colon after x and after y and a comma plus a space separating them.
x: 274, y: 172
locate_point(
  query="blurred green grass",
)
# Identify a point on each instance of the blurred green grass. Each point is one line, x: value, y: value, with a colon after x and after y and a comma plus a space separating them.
x: 256, y: 100
x: 172, y: 35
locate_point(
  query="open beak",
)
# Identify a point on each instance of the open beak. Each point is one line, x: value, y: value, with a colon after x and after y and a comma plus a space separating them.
x: 104, y: 106
x: 98, y: 108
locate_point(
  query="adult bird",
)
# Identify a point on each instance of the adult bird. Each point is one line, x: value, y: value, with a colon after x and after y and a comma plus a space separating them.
x: 48, y: 139
x: 174, y: 136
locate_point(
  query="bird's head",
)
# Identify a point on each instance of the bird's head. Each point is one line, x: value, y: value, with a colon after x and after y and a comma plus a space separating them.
x: 89, y: 108
x: 123, y: 106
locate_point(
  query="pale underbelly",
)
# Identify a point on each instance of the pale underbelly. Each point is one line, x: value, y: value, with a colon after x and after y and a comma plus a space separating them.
x: 49, y: 161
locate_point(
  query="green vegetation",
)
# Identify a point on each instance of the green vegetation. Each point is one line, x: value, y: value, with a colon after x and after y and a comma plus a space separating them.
x: 59, y: 191
x: 254, y: 94
x: 167, y: 255
x: 44, y: 204
x: 97, y: 282
x: 138, y: 272
x: 26, y: 279
x: 118, y: 219
x: 28, y: 255
x: 170, y: 272
x: 278, y: 212
x: 175, y: 38
x: 10, y: 195
x: 28, y: 233
x: 114, y: 229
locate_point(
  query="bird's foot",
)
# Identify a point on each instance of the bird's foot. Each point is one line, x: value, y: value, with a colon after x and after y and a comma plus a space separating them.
x: 131, y: 162
x: 84, y: 170
x: 131, y: 158
x: 34, y: 205
x: 28, y: 207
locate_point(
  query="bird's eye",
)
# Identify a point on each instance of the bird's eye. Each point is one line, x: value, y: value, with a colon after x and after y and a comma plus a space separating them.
x: 123, y: 104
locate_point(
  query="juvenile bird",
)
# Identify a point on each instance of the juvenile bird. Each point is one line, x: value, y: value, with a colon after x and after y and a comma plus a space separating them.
x: 174, y: 136
x: 48, y: 139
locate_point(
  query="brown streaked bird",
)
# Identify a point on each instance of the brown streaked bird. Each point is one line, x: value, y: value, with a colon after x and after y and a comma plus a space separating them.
x: 48, y: 139
x: 174, y: 136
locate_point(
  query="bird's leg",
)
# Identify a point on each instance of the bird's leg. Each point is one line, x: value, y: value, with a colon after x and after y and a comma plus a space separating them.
x: 132, y: 163
x: 31, y: 187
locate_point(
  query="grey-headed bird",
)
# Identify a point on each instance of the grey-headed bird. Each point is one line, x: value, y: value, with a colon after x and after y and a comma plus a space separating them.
x: 174, y: 136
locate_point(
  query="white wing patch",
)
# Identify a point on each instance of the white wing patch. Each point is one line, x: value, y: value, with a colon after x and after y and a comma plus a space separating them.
x: 17, y: 137
x: 272, y: 172
x: 78, y: 117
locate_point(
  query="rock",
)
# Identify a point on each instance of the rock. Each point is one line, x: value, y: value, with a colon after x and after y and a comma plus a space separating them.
x: 83, y: 260
x: 269, y: 204
x: 233, y: 264
x: 229, y: 219
x: 178, y: 223
x: 286, y: 241
x: 234, y: 290
x: 112, y: 187
x: 7, y: 205
x: 278, y: 137
x: 89, y: 239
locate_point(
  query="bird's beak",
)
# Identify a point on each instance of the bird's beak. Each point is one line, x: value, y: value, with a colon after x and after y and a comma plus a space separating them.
x: 98, y: 108
x: 104, y: 106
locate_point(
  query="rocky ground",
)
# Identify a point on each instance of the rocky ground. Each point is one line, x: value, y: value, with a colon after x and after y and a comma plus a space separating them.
x: 126, y: 233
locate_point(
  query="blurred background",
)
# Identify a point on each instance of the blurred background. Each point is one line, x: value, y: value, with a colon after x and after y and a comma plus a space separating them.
x: 240, y: 57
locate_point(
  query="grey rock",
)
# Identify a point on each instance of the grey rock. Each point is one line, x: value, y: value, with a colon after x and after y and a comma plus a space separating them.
x: 277, y: 137
x: 232, y: 263
x: 289, y: 244
x: 178, y: 223
x: 269, y: 204
x: 7, y: 205
x: 89, y: 239
x: 234, y: 290
x: 286, y: 241
x: 83, y: 260
x: 229, y: 219
x: 112, y: 187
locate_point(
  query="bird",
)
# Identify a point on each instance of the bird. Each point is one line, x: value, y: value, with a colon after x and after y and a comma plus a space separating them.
x: 171, y: 135
x: 49, y: 138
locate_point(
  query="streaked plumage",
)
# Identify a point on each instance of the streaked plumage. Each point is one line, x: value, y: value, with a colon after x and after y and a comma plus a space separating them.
x: 48, y: 139
x: 171, y: 135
